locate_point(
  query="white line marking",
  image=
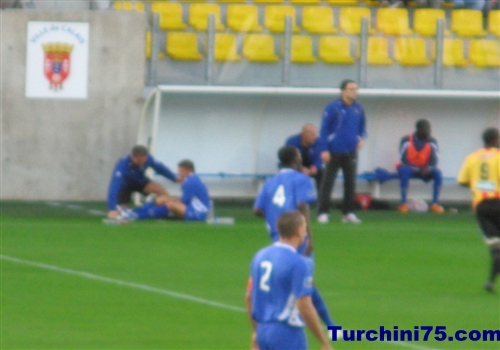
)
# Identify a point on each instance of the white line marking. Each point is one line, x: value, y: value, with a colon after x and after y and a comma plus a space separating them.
x: 73, y: 206
x: 161, y: 291
x: 97, y: 212
x: 77, y: 207
x: 123, y: 283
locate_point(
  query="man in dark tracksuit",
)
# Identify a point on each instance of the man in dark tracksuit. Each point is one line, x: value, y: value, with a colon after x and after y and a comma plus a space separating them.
x: 129, y: 176
x: 307, y: 142
x: 342, y: 132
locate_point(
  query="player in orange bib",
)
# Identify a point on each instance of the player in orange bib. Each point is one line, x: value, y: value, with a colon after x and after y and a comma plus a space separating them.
x: 481, y: 173
x: 418, y: 159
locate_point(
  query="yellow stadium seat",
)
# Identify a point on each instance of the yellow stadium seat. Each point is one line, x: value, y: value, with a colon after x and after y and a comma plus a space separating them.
x: 425, y: 21
x: 129, y: 5
x: 305, y: 2
x: 318, y: 20
x: 269, y: 1
x: 485, y: 53
x: 467, y: 23
x: 411, y: 52
x: 372, y: 2
x: 343, y: 2
x: 192, y: 0
x: 198, y: 16
x: 453, y: 53
x: 183, y: 46
x: 378, y: 51
x: 231, y: 1
x: 259, y: 48
x: 494, y: 22
x: 448, y: 4
x: 274, y: 18
x: 226, y: 47
x: 243, y: 18
x: 170, y: 14
x: 335, y: 49
x: 351, y: 17
x: 302, y: 49
x: 393, y: 21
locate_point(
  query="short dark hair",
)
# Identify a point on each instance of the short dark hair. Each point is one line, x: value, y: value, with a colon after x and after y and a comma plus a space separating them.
x: 491, y: 136
x: 287, y: 155
x: 139, y: 150
x: 186, y: 163
x: 288, y: 222
x: 345, y: 82
x: 422, y: 123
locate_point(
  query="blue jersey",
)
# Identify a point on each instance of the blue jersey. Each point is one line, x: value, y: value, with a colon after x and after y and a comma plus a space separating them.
x: 127, y: 174
x: 280, y: 276
x: 342, y: 127
x: 195, y: 194
x: 283, y: 192
x: 310, y: 154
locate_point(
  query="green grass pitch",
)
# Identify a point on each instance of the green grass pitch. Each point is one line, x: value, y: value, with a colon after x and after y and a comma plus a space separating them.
x: 70, y: 282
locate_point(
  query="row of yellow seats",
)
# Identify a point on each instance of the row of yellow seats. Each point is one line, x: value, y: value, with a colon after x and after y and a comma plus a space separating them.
x: 336, y: 50
x: 138, y: 5
x: 321, y: 19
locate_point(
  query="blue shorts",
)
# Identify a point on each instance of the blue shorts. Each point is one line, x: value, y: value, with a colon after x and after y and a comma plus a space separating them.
x: 194, y: 215
x: 280, y: 336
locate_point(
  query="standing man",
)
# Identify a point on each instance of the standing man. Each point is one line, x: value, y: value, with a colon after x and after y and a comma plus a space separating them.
x: 129, y: 176
x: 342, y: 132
x: 193, y: 205
x: 290, y: 190
x: 279, y: 300
x: 307, y: 143
x: 481, y: 173
x: 419, y: 158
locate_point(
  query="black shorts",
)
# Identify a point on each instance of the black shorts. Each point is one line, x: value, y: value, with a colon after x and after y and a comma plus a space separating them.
x: 488, y: 215
x: 125, y: 194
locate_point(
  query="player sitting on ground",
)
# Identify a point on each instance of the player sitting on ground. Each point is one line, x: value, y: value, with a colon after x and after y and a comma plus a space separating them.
x: 193, y: 205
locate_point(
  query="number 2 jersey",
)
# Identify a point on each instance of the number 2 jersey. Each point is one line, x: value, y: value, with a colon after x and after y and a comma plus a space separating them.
x: 282, y: 193
x: 481, y: 172
x: 279, y: 277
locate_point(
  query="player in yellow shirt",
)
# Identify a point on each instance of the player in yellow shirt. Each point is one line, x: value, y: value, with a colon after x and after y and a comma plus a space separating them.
x: 481, y: 173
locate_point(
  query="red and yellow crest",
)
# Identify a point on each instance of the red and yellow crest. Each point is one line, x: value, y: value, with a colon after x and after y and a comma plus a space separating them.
x: 56, y: 65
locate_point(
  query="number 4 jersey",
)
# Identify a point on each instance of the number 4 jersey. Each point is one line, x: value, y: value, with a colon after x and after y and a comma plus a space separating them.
x: 280, y: 276
x: 282, y: 193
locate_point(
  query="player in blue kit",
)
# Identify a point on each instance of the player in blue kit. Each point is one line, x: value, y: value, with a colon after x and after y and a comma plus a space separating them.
x: 307, y: 143
x: 279, y: 302
x: 193, y: 205
x: 290, y: 190
x: 129, y: 176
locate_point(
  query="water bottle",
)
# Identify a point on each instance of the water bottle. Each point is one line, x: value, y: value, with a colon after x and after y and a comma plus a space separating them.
x: 222, y: 221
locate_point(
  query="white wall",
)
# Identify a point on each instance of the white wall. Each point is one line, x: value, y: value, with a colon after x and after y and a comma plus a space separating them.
x: 231, y: 132
x: 66, y: 149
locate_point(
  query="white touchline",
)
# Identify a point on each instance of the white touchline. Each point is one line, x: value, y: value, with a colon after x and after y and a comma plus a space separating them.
x: 77, y: 207
x: 123, y: 283
x: 159, y: 291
